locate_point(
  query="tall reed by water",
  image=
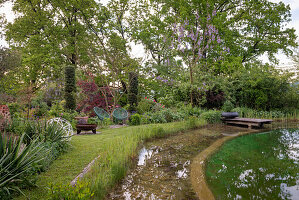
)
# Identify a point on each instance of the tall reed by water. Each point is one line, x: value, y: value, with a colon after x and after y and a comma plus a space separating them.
x: 118, y: 153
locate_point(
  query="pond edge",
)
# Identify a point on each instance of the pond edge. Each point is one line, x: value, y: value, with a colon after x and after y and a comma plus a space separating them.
x: 197, y: 175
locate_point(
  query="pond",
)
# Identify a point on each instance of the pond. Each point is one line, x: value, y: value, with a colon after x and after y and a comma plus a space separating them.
x: 256, y: 166
x: 162, y: 170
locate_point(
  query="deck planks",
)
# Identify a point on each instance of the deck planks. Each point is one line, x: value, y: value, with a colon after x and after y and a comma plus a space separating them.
x: 250, y: 122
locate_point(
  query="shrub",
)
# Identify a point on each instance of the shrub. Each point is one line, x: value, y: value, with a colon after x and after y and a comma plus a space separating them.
x: 145, y: 119
x: 67, y: 192
x: 189, y: 110
x: 191, y: 123
x: 228, y: 106
x: 135, y: 120
x: 92, y: 95
x: 211, y: 116
x: 70, y: 88
x: 157, y: 117
x: 42, y: 110
x: 56, y: 109
x: 17, y: 161
x: 145, y: 105
x: 158, y: 131
x: 16, y: 126
x: 168, y: 114
x: 15, y: 108
x: 133, y: 91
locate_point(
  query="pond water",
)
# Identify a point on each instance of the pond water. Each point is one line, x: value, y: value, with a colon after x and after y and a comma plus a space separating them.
x: 162, y: 170
x: 257, y: 166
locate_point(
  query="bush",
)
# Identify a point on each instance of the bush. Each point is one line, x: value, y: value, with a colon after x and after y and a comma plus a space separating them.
x: 228, y: 106
x: 189, y: 110
x: 67, y: 192
x: 16, y: 126
x: 191, y: 123
x: 133, y: 91
x: 42, y: 110
x: 15, y: 108
x: 211, y: 116
x: 158, y: 131
x: 145, y: 105
x: 135, y: 120
x: 70, y: 88
x: 145, y: 119
x: 168, y: 114
x: 157, y: 117
x: 17, y: 161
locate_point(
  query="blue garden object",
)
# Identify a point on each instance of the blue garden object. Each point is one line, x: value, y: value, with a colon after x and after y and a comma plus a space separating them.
x: 101, y: 113
x: 120, y: 114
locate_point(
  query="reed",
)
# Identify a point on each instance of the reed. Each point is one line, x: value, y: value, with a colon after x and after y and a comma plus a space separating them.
x: 118, y: 154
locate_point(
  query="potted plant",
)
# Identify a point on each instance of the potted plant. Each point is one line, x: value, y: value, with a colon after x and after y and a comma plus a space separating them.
x: 82, y: 118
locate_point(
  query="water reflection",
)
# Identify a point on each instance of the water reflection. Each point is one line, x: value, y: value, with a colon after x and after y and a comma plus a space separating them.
x: 144, y: 154
x: 258, y: 166
x: 162, y: 170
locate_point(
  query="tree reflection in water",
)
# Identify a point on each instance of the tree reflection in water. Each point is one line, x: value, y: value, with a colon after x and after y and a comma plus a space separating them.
x: 257, y: 166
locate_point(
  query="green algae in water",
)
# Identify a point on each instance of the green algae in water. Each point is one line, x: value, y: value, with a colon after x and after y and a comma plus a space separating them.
x: 258, y: 166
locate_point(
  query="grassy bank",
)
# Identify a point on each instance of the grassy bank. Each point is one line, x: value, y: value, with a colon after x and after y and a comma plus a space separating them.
x: 116, y: 147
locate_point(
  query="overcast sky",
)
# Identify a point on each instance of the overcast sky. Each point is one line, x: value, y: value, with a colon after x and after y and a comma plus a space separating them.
x: 138, y: 51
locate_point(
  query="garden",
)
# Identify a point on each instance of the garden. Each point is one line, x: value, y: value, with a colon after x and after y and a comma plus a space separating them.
x: 151, y: 79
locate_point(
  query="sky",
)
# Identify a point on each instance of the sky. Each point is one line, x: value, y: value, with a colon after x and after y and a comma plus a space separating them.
x: 138, y: 51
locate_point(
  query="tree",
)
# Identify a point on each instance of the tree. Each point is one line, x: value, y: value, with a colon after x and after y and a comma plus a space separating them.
x: 249, y: 28
x: 50, y: 35
x: 133, y: 91
x: 70, y: 88
x: 9, y: 63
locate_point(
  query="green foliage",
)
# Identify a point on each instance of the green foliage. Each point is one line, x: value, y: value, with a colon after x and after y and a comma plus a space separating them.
x: 17, y: 161
x: 191, y: 123
x: 67, y: 192
x: 189, y: 110
x: 70, y: 87
x: 15, y: 108
x: 133, y: 91
x: 145, y: 105
x: 16, y: 126
x: 56, y: 109
x: 135, y: 120
x: 263, y: 87
x: 211, y: 116
x: 228, y: 106
x: 274, y: 114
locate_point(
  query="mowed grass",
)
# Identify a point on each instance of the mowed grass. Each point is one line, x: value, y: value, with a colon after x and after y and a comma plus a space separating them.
x: 116, y: 148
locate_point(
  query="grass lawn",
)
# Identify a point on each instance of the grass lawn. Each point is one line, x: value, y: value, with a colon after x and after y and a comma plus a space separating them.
x: 122, y: 142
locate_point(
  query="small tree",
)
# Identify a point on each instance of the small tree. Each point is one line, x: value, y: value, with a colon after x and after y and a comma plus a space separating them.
x: 70, y: 88
x: 133, y: 91
x: 197, y: 40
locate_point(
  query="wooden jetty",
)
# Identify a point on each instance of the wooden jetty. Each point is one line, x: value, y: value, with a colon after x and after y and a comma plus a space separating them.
x: 250, y: 122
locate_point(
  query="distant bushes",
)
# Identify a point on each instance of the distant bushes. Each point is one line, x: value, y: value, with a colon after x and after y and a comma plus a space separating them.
x: 212, y: 116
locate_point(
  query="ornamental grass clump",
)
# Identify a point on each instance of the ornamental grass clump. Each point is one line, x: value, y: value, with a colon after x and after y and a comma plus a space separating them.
x: 17, y: 162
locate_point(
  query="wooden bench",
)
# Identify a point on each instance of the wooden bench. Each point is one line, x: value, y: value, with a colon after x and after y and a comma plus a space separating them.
x: 250, y: 122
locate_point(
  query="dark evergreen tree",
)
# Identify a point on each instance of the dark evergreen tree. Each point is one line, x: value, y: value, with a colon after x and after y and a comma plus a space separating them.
x: 133, y: 91
x: 70, y: 87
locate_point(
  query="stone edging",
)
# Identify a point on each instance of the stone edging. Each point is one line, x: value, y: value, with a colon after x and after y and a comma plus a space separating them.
x: 84, y: 171
x: 198, y: 180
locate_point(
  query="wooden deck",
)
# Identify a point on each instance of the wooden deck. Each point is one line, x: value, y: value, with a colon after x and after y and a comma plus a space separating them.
x: 250, y: 122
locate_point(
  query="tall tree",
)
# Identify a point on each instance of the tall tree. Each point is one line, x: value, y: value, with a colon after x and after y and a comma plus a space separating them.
x: 50, y: 34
